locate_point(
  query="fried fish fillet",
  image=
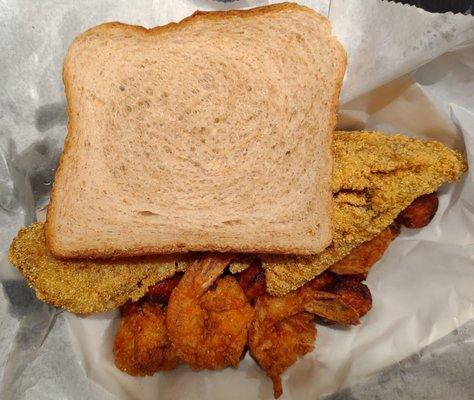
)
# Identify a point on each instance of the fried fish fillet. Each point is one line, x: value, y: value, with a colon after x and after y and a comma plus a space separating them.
x: 375, y: 177
x: 86, y: 286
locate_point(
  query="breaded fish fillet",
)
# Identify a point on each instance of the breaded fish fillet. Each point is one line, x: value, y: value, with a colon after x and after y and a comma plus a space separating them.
x: 86, y: 286
x: 375, y: 177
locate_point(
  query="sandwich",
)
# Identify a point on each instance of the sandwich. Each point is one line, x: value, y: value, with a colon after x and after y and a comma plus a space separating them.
x: 203, y: 191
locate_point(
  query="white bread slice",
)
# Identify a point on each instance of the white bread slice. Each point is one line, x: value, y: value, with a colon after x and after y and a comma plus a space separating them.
x: 210, y: 134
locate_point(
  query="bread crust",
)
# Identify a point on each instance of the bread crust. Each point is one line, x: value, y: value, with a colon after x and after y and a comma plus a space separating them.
x: 50, y: 234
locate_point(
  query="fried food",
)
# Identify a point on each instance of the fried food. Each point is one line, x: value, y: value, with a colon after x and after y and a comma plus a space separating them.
x: 319, y: 298
x: 87, y: 286
x: 351, y: 298
x: 130, y: 307
x: 283, y: 328
x: 354, y: 293
x: 375, y: 177
x: 364, y: 256
x: 280, y: 332
x: 323, y: 282
x: 419, y: 213
x: 161, y: 291
x: 332, y: 308
x: 208, y: 328
x: 327, y: 305
x: 141, y: 345
x: 252, y: 280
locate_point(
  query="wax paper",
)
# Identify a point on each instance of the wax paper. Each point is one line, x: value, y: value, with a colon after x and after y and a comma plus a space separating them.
x: 409, y: 71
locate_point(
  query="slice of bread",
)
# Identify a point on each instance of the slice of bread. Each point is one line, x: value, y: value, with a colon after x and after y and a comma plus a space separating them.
x: 210, y: 134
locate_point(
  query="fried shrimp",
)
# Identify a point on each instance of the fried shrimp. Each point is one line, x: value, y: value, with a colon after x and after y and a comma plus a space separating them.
x: 208, y: 328
x: 283, y: 328
x: 141, y: 345
x: 280, y: 332
x: 354, y: 294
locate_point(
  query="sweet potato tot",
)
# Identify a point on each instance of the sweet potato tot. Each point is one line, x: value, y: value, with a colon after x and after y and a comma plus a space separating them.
x: 419, y: 213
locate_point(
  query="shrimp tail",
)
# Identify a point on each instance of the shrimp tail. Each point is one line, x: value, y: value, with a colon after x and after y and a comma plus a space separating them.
x: 277, y: 386
x: 203, y: 272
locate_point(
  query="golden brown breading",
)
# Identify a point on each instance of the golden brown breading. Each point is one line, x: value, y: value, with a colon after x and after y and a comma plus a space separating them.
x: 375, y: 177
x: 141, y: 345
x: 281, y: 331
x: 208, y: 316
x: 86, y: 286
x: 354, y: 294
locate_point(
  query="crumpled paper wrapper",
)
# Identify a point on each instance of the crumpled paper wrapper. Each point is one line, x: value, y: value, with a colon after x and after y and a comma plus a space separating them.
x: 409, y: 71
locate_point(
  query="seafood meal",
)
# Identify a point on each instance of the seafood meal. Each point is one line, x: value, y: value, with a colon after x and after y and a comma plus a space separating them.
x: 204, y: 192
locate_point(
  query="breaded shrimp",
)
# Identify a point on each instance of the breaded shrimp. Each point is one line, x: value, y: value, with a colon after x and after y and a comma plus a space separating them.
x: 208, y: 328
x: 280, y: 332
x: 141, y: 345
x: 282, y: 328
x: 354, y: 294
